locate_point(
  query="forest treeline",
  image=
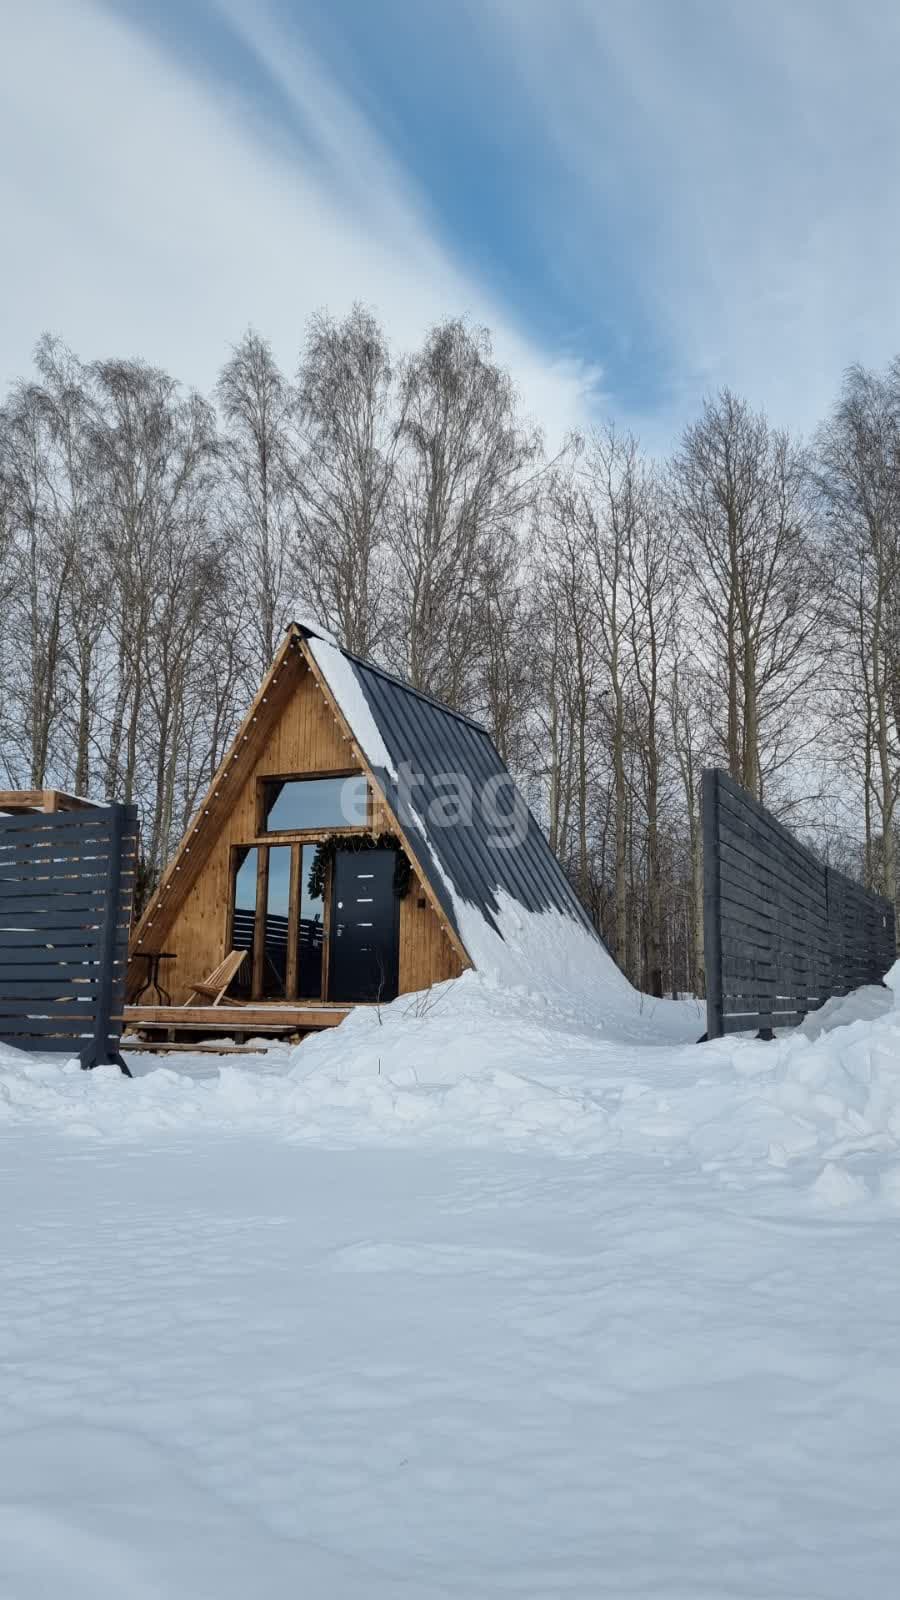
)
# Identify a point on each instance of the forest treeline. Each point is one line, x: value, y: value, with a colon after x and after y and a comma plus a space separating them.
x: 618, y: 622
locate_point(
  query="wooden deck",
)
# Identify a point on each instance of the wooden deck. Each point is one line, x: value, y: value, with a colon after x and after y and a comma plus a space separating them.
x: 245, y: 1019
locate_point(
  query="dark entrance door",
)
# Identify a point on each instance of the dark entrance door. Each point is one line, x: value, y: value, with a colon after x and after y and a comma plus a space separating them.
x: 365, y: 923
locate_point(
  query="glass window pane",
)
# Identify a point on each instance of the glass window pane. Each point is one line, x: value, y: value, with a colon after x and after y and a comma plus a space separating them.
x: 315, y: 803
x: 245, y: 900
x: 310, y: 932
x: 244, y: 922
x: 277, y: 919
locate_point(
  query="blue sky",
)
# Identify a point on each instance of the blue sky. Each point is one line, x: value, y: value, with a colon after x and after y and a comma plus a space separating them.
x: 642, y: 198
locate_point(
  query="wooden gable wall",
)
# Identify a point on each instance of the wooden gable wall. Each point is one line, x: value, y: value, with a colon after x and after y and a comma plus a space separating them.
x: 300, y: 735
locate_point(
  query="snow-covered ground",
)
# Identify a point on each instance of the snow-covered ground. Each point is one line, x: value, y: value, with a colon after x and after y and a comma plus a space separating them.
x: 481, y: 1296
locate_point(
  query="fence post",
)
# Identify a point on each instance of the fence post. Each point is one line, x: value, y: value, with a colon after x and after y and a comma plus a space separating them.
x: 97, y: 1052
x: 712, y: 905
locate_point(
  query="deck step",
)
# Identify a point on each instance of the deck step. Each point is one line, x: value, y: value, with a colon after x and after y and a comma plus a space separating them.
x: 176, y: 1026
x: 237, y: 1019
x: 193, y: 1049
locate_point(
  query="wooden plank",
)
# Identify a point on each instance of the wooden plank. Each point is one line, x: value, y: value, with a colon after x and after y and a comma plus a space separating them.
x: 52, y: 864
x: 58, y: 862
x: 66, y: 944
x: 740, y: 921
x: 768, y: 997
x: 762, y: 828
x: 775, y: 878
x: 68, y: 893
x: 40, y: 1016
x: 35, y: 958
x: 45, y: 966
x: 21, y: 799
x: 306, y: 835
x: 159, y: 1046
x: 40, y: 918
x: 241, y: 1019
x: 62, y: 880
x: 737, y: 804
x: 58, y: 1043
x: 46, y: 800
x: 60, y: 800
x: 426, y: 954
x: 762, y: 864
x: 54, y: 867
x: 43, y: 1022
x: 21, y: 833
x: 282, y: 1031
x: 758, y: 833
x: 54, y: 860
x: 751, y: 1023
x: 36, y: 991
x: 34, y: 813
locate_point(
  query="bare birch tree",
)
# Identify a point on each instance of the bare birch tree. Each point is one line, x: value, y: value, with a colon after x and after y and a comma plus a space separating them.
x: 741, y: 491
x: 257, y: 405
x: 344, y: 474
x: 859, y: 450
x: 462, y: 489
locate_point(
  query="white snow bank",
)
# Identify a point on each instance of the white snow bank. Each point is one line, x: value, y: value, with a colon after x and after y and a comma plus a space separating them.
x: 465, y: 1298
x: 95, y: 1513
x: 470, y: 1064
x: 863, y: 1005
x: 544, y: 952
x: 464, y: 1063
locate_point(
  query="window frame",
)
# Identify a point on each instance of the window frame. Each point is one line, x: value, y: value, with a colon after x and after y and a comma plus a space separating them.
x: 295, y: 843
x: 266, y: 835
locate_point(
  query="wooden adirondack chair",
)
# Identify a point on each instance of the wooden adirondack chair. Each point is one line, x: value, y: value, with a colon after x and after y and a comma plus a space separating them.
x: 212, y: 989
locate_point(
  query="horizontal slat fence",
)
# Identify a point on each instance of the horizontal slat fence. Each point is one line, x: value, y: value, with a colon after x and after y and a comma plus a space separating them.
x: 66, y: 892
x: 781, y: 932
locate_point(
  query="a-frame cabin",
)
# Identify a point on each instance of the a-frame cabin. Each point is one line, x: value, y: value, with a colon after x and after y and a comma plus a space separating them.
x: 335, y: 851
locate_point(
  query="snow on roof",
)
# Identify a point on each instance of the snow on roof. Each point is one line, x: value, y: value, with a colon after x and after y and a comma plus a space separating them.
x: 499, y: 884
x: 337, y: 670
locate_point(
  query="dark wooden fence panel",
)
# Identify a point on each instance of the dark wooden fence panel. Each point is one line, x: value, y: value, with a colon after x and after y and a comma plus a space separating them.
x: 781, y: 932
x: 66, y: 890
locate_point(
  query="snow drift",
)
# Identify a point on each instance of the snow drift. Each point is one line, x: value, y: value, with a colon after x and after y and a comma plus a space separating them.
x: 474, y: 1063
x: 486, y: 1293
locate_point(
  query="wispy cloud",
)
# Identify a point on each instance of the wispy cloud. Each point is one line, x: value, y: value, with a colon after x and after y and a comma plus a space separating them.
x: 707, y: 192
x: 147, y: 210
x: 744, y: 161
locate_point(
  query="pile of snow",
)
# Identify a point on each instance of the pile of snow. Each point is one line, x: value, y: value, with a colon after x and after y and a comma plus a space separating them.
x: 863, y: 1005
x: 543, y: 952
x: 484, y: 1293
x: 471, y: 1063
x: 97, y: 1513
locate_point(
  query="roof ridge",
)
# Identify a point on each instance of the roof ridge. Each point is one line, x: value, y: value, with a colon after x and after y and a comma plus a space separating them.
x: 394, y: 677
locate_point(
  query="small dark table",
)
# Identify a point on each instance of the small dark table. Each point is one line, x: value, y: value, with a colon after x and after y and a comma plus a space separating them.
x: 153, y: 959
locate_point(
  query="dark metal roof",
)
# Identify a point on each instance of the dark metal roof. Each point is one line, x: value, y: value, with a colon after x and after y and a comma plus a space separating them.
x: 444, y: 761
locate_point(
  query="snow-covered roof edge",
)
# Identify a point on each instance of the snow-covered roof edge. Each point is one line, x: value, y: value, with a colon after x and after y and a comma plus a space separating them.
x: 502, y: 899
